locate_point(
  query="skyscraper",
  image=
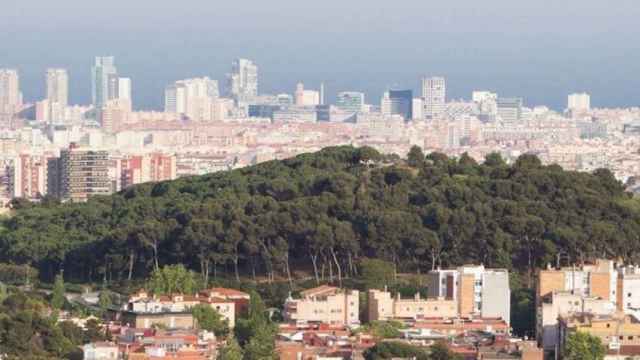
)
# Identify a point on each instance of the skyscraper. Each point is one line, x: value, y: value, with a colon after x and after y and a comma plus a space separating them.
x: 242, y: 82
x: 579, y: 102
x: 104, y: 81
x: 434, y: 96
x: 58, y: 87
x: 510, y: 109
x: 193, y: 98
x: 350, y: 101
x: 124, y: 89
x: 10, y: 96
x: 401, y: 103
x: 307, y: 97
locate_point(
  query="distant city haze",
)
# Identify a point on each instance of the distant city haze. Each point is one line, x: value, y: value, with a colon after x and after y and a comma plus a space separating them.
x: 541, y: 50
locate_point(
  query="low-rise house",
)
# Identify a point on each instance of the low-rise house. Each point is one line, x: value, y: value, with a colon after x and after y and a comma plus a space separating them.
x: 459, y: 326
x: 188, y: 345
x: 100, y: 351
x: 324, y: 304
x: 143, y: 310
x: 240, y: 299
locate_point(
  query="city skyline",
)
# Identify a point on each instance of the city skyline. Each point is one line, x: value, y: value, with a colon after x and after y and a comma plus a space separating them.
x: 538, y: 50
x: 223, y: 89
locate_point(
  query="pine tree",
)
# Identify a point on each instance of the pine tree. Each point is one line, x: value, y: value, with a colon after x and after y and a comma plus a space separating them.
x: 57, y: 298
x: 231, y: 351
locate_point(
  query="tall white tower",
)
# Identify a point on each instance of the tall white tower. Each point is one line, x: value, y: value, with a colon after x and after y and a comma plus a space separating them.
x: 58, y: 87
x: 579, y: 102
x: 434, y: 94
x: 10, y: 96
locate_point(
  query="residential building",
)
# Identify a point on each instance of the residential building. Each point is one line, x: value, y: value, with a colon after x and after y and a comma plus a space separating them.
x: 487, y: 102
x: 101, y: 351
x: 590, y: 288
x: 579, y: 103
x: 144, y: 309
x: 114, y: 115
x: 306, y: 97
x: 10, y: 95
x: 58, y: 87
x: 434, y: 96
x: 239, y: 298
x: 350, y: 101
x: 381, y: 305
x: 619, y: 333
x: 124, y: 89
x: 150, y: 344
x: 510, y: 109
x: 28, y: 176
x: 324, y: 304
x: 295, y: 115
x: 154, y: 167
x: 79, y: 174
x: 193, y: 98
x: 478, y: 292
x: 418, y: 109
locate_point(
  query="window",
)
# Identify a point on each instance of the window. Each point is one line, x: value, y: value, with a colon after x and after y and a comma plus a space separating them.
x: 608, y: 325
x: 630, y: 338
x: 629, y: 295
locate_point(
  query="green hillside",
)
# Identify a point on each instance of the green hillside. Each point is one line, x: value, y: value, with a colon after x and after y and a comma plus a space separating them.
x: 323, y: 212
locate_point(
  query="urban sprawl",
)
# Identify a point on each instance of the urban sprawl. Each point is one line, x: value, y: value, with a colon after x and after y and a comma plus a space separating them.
x: 71, y: 152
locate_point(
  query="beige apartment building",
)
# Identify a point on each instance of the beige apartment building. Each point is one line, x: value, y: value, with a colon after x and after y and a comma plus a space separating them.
x: 602, y: 290
x: 324, y: 304
x: 143, y: 309
x: 383, y: 306
x: 620, y: 334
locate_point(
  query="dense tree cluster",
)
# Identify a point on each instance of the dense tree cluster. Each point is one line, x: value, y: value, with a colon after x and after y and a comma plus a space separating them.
x: 28, y: 330
x: 325, y: 212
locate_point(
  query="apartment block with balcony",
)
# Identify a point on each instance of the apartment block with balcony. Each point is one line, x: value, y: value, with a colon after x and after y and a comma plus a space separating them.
x: 79, y: 174
x: 381, y: 305
x: 324, y: 304
x: 477, y: 291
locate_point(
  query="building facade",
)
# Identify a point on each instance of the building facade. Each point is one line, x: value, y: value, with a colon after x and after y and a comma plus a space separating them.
x: 103, y: 75
x: 478, y: 292
x: 79, y: 174
x: 10, y: 95
x: 381, y: 305
x: 434, y: 92
x: 324, y: 304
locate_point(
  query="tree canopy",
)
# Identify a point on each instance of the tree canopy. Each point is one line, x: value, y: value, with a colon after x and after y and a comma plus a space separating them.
x: 583, y: 346
x: 324, y: 212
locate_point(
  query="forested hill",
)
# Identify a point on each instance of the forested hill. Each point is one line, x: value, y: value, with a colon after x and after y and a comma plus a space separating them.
x: 327, y: 210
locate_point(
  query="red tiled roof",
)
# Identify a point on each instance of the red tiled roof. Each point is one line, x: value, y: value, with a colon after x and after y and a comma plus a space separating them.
x: 226, y: 292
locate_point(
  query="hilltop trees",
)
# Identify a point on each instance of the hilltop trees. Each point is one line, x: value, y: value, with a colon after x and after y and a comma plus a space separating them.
x: 323, y: 213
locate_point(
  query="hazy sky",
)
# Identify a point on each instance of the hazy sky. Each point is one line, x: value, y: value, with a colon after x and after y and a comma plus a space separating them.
x: 539, y: 49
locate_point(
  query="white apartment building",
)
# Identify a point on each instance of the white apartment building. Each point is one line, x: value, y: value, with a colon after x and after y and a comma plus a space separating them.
x: 10, y: 95
x: 58, y: 87
x: 193, y: 98
x: 477, y: 290
x: 579, y: 102
x: 434, y: 93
